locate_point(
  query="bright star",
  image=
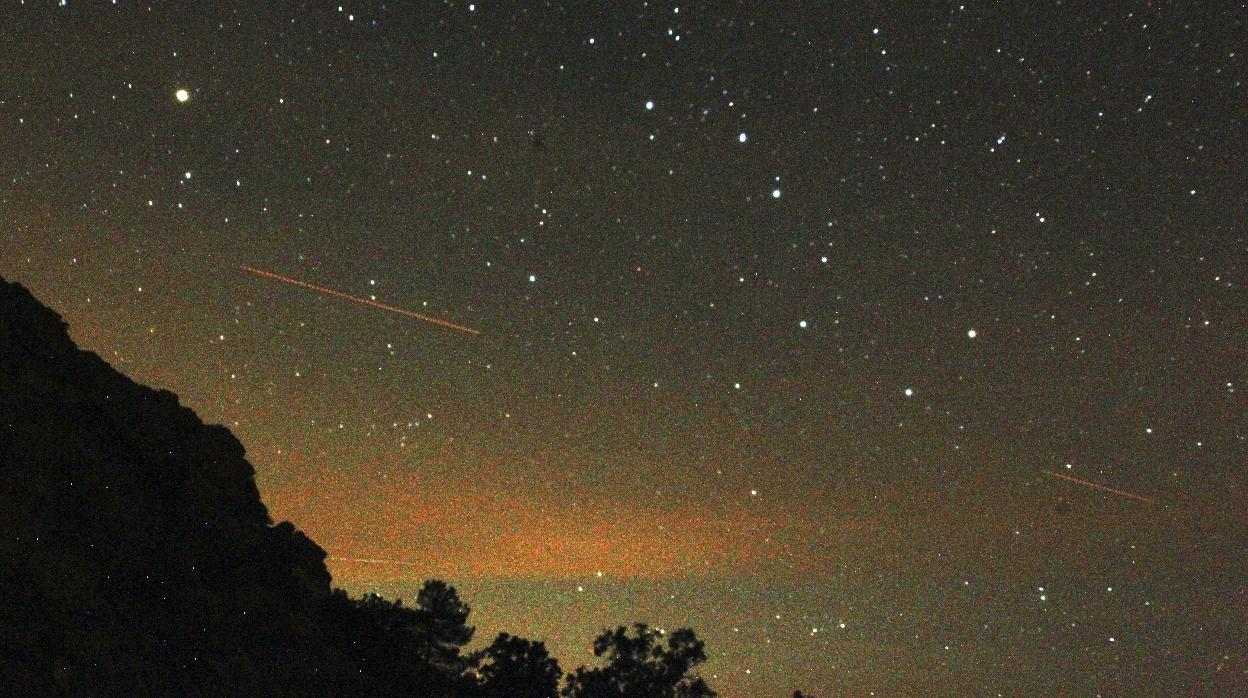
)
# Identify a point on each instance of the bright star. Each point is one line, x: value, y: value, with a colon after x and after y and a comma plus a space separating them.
x: 182, y: 95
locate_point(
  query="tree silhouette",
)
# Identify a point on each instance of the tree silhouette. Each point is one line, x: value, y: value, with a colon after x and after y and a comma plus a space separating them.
x: 384, y: 648
x: 440, y: 626
x: 518, y: 668
x: 640, y: 666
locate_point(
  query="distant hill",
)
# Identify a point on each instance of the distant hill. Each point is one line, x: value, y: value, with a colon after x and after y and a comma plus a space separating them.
x: 135, y: 553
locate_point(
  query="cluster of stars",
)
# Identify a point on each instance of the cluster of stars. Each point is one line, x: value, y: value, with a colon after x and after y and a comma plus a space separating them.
x: 689, y: 186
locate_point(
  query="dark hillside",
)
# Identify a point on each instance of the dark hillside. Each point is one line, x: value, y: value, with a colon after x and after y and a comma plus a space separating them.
x: 135, y: 551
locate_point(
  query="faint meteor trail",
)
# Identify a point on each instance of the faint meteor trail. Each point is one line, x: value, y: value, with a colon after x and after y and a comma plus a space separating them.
x: 362, y: 301
x: 1103, y: 488
x: 372, y: 561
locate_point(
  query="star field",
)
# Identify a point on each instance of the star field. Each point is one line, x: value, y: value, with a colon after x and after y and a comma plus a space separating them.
x: 788, y: 313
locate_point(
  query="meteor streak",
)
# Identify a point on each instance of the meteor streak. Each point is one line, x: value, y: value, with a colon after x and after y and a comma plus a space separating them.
x: 372, y: 561
x: 1103, y: 488
x: 362, y: 301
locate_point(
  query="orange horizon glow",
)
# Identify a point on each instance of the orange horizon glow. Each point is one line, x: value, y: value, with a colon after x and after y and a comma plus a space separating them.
x: 400, y: 529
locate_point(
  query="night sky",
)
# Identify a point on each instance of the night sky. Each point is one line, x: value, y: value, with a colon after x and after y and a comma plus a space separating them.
x: 790, y: 314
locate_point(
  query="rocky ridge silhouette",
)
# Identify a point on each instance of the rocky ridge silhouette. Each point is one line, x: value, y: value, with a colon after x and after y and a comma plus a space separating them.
x: 135, y: 553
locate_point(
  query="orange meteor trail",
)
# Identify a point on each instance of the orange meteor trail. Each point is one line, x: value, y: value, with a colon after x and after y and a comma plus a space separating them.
x: 1101, y: 487
x: 371, y: 561
x: 362, y: 301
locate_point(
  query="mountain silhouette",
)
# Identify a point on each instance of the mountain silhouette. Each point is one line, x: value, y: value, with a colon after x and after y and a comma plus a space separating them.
x: 135, y: 554
x: 137, y: 559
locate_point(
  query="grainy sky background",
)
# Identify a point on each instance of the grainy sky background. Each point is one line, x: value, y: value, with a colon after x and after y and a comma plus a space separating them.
x: 788, y: 311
